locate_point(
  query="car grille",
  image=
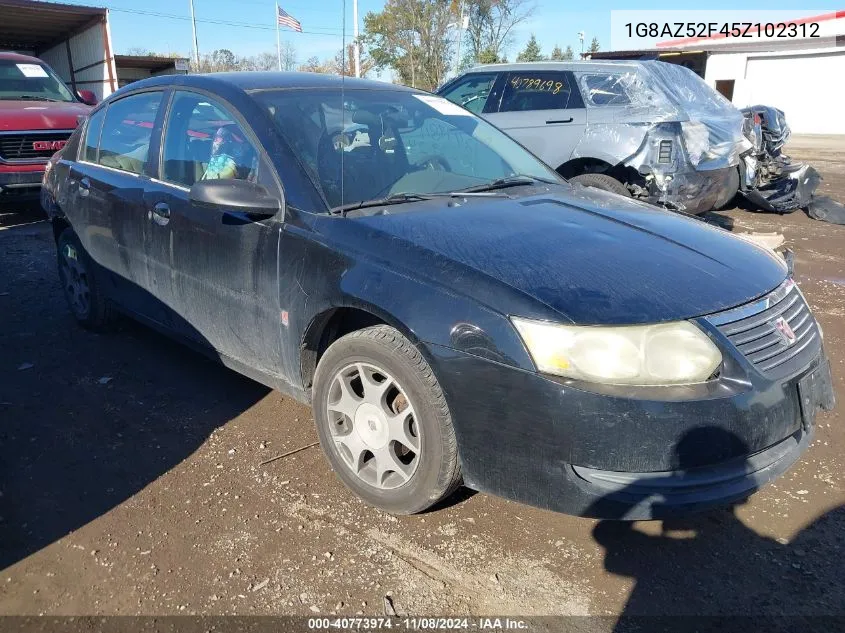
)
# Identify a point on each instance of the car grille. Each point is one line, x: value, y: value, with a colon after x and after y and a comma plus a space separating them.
x: 19, y: 146
x: 756, y: 331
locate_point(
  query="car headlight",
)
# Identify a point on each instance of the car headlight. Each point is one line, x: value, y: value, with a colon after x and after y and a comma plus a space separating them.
x: 661, y: 354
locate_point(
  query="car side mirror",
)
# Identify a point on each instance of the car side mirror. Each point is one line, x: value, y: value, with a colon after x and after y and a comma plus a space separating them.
x: 87, y: 97
x: 237, y: 196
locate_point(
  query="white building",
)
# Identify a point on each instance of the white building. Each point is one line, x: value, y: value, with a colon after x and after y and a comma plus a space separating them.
x: 804, y: 77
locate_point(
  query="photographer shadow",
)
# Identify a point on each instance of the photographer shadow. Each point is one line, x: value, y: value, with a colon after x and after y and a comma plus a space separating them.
x: 713, y: 564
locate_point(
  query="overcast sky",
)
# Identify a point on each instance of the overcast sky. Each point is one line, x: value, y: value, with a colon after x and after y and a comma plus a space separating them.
x: 553, y: 22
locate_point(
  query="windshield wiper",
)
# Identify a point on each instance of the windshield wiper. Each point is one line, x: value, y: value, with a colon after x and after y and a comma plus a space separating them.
x: 509, y: 181
x: 400, y: 198
x: 396, y: 198
x: 28, y: 98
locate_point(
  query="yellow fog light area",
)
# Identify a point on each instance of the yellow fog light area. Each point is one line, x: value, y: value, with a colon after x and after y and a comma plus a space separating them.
x: 660, y: 354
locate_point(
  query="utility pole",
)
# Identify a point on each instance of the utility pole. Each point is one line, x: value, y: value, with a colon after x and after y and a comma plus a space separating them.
x: 196, y: 45
x: 461, y: 27
x: 357, y: 49
x: 581, y: 37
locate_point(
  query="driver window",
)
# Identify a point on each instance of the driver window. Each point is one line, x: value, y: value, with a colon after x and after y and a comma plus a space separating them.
x: 472, y: 91
x: 203, y: 141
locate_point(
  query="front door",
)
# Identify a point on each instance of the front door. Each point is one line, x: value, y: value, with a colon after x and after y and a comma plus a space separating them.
x: 542, y: 110
x: 223, y: 275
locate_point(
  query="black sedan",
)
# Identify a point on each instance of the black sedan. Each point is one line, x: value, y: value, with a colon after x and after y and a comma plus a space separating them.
x: 454, y: 311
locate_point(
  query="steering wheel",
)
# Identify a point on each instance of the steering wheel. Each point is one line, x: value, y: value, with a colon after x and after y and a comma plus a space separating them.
x: 435, y: 163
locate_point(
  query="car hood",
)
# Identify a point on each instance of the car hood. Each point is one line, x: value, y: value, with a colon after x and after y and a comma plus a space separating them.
x: 591, y: 256
x: 40, y: 115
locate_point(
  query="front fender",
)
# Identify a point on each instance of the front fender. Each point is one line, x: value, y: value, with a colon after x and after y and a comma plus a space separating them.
x: 424, y: 312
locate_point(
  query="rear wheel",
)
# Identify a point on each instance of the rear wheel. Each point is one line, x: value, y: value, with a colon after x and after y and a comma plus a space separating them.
x: 79, y: 285
x: 384, y: 423
x: 730, y: 191
x: 603, y: 182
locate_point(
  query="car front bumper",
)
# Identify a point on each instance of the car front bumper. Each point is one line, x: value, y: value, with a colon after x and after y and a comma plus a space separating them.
x: 20, y: 184
x: 537, y: 440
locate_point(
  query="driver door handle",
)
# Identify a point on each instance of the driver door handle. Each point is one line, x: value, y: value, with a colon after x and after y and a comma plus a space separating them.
x: 160, y: 213
x: 553, y: 121
x: 84, y: 187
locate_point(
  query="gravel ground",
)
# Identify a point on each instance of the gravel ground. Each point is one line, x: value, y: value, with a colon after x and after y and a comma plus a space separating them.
x: 131, y: 483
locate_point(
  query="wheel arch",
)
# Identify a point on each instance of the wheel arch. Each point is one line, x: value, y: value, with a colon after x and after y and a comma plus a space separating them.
x: 584, y: 165
x: 334, y: 322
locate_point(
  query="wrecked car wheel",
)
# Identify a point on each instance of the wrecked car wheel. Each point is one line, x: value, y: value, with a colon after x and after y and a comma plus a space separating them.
x: 603, y: 182
x: 79, y: 285
x: 729, y: 193
x: 384, y: 423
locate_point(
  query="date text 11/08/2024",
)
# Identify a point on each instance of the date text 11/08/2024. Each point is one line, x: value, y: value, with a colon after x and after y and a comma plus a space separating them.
x: 418, y: 624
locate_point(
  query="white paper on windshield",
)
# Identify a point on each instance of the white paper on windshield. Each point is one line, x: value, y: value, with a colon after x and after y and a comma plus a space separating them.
x: 443, y: 106
x: 32, y: 70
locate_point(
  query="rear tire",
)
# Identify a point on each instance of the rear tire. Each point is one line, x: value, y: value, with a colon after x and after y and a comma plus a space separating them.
x: 383, y: 421
x: 79, y: 284
x: 603, y: 182
x: 730, y: 192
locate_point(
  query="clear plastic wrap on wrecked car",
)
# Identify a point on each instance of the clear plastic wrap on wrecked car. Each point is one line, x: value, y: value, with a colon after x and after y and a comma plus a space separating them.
x: 665, y: 122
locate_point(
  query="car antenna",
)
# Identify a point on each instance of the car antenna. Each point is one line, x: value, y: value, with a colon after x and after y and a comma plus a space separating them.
x: 343, y: 104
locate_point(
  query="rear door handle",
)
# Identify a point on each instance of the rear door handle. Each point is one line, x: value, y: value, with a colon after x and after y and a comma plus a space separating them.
x: 84, y: 187
x: 553, y: 121
x: 160, y: 213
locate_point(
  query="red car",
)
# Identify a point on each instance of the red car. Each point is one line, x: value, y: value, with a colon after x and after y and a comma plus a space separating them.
x: 38, y: 113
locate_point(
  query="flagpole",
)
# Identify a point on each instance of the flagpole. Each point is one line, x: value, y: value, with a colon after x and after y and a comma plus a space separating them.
x: 278, y: 38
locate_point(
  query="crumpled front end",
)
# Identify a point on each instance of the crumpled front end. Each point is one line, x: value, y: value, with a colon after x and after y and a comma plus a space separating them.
x: 770, y: 180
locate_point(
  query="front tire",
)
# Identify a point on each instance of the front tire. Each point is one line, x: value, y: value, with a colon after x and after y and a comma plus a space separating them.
x: 384, y: 423
x: 79, y: 284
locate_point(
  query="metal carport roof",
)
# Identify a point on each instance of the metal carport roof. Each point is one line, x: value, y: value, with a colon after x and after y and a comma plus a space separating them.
x: 28, y: 25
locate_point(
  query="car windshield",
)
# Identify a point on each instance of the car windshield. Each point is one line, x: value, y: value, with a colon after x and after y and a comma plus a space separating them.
x: 28, y: 80
x: 368, y: 145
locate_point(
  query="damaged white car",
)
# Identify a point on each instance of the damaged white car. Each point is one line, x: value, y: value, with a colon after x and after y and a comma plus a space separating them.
x: 647, y: 129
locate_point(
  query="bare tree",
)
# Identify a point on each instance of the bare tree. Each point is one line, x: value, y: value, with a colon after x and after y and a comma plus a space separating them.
x: 491, y: 25
x: 345, y: 64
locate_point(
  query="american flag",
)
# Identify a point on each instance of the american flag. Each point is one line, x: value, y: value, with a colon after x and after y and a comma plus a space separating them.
x: 286, y: 19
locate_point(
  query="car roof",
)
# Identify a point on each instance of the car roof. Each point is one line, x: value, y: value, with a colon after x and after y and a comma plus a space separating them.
x: 261, y: 80
x: 17, y: 57
x: 592, y: 65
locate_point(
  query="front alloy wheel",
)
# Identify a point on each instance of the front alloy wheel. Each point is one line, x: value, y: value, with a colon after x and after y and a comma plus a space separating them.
x: 384, y: 423
x: 373, y: 426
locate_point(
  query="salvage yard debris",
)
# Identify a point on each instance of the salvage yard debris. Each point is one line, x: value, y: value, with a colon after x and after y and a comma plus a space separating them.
x: 296, y: 450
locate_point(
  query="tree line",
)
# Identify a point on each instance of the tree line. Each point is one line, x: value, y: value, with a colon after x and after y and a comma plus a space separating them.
x: 418, y: 40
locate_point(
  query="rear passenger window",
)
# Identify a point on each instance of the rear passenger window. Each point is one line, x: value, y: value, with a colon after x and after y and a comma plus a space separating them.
x: 471, y: 92
x: 92, y: 136
x: 203, y: 141
x: 537, y: 91
x: 605, y: 90
x: 125, y: 140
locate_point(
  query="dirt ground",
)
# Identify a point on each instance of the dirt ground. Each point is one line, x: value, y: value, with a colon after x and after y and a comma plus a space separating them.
x: 131, y: 483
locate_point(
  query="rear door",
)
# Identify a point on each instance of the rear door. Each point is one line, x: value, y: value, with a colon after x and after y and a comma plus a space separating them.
x: 112, y: 184
x: 542, y: 110
x: 223, y: 265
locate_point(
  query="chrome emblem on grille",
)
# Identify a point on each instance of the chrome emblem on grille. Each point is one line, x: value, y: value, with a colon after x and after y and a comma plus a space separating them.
x: 784, y: 331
